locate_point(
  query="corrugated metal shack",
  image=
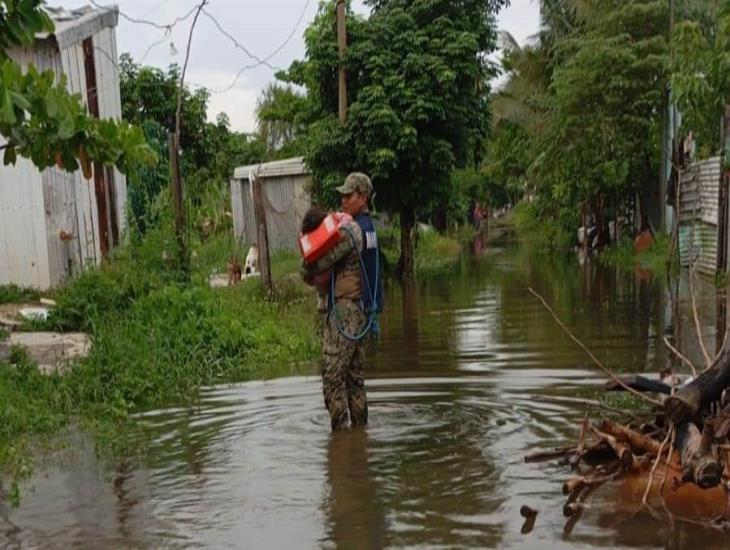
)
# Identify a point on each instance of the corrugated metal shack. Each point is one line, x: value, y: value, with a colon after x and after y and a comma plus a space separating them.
x: 52, y: 223
x: 702, y: 217
x: 286, y: 199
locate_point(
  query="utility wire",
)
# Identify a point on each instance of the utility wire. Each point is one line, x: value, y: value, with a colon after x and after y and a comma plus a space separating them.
x: 236, y: 43
x: 168, y: 30
x: 160, y: 26
x: 181, y: 88
x: 262, y: 61
x: 153, y: 45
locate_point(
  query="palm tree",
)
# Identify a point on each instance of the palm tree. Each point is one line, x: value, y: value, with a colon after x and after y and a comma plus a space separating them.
x: 276, y: 113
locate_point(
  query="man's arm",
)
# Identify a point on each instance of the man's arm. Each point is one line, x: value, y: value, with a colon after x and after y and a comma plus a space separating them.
x: 350, y: 239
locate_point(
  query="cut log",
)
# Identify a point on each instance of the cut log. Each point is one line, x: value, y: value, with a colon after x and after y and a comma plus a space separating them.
x: 635, y: 440
x: 623, y: 453
x: 530, y: 516
x: 699, y: 461
x: 696, y: 396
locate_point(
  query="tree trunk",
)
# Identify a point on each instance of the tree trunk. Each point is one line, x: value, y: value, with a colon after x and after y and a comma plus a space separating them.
x: 696, y: 396
x: 406, y: 263
x: 699, y: 462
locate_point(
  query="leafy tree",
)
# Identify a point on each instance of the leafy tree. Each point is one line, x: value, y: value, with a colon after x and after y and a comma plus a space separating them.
x: 210, y: 151
x: 278, y: 112
x: 589, y: 94
x: 608, y: 96
x: 701, y: 69
x: 418, y: 92
x: 509, y: 156
x: 150, y: 94
x: 40, y: 120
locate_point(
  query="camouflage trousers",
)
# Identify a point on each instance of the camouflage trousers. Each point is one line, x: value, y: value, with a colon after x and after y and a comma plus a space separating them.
x: 343, y: 372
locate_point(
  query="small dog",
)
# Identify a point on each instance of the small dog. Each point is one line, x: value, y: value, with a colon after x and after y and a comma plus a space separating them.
x: 251, y: 266
x: 234, y: 271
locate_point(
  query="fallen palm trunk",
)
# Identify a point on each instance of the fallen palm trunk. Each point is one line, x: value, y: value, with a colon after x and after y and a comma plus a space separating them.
x: 697, y: 396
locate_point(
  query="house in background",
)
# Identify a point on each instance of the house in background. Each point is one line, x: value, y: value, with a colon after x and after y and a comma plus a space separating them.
x: 286, y: 199
x: 53, y: 223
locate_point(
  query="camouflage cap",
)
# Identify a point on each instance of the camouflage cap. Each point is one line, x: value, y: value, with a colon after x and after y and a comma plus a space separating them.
x: 356, y: 181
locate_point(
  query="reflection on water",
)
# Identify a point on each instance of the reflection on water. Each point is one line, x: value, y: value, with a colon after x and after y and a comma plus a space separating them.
x: 469, y: 376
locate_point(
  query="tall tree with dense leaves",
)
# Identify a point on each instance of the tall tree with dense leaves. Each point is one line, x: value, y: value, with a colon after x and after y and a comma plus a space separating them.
x: 150, y: 94
x: 701, y: 69
x: 39, y: 118
x: 278, y: 114
x: 418, y: 91
x: 609, y: 92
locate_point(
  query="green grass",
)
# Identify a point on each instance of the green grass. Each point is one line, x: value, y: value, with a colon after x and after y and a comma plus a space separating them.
x: 435, y: 253
x: 13, y: 294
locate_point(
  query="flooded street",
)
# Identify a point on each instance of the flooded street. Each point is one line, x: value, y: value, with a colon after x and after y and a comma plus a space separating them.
x: 470, y: 375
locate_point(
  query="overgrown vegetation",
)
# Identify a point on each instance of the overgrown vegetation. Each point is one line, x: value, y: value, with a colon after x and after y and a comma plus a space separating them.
x: 578, y: 123
x: 435, y: 254
x: 155, y: 341
x: 544, y: 233
x: 624, y: 255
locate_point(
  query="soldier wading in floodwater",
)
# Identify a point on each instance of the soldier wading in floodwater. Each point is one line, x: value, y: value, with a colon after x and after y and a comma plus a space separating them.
x: 355, y: 297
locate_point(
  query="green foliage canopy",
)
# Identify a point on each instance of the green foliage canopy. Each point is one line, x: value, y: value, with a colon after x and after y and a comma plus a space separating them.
x: 701, y: 71
x: 418, y: 90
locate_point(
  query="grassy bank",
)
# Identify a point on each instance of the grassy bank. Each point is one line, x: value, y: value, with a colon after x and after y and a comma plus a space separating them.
x: 623, y: 255
x: 435, y: 253
x: 155, y: 341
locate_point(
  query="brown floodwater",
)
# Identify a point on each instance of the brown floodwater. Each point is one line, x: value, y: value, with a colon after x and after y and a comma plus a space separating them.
x: 470, y: 375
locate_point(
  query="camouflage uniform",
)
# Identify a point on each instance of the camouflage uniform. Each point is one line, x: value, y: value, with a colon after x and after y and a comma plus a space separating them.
x: 343, y: 373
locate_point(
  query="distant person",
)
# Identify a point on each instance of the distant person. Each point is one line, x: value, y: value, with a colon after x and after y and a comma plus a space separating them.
x: 478, y: 216
x: 351, y: 309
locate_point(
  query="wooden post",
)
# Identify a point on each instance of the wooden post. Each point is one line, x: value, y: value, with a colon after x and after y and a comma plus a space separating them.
x: 341, y: 47
x: 726, y: 134
x: 173, y: 142
x: 261, y: 231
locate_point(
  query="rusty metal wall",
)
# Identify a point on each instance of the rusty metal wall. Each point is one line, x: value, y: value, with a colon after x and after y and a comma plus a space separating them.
x: 699, y: 214
x: 49, y: 220
x: 285, y: 200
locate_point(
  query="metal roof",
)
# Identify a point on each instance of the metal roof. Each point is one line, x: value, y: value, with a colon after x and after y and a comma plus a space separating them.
x: 73, y: 26
x: 288, y: 167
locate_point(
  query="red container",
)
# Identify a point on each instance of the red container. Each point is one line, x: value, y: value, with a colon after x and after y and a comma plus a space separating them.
x: 316, y: 244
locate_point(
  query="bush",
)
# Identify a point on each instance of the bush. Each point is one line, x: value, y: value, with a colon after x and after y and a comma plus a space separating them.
x: 534, y: 226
